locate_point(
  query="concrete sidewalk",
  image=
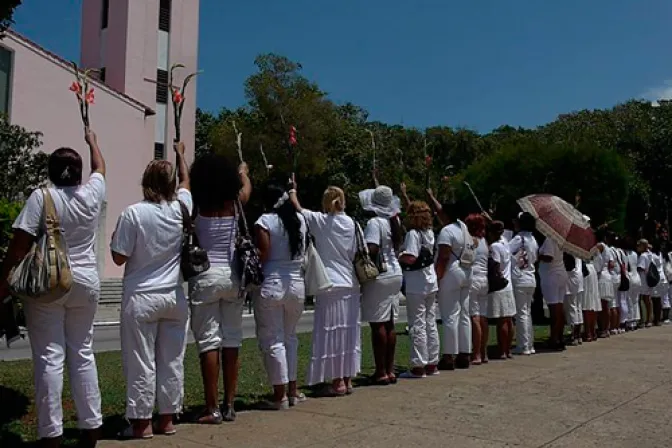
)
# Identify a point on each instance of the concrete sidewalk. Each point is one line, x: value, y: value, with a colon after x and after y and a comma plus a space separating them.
x: 612, y: 393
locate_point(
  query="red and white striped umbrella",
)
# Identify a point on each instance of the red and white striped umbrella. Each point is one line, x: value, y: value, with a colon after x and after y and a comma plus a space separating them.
x: 561, y: 222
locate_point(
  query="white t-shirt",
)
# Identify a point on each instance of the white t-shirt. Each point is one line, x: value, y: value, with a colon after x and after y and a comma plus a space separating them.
x: 659, y: 262
x: 523, y: 275
x: 500, y: 254
x: 556, y: 268
x: 280, y: 262
x: 217, y: 235
x: 379, y: 229
x: 480, y: 267
x: 78, y: 209
x: 607, y: 255
x: 455, y: 235
x: 644, y: 262
x: 632, y: 259
x: 150, y: 235
x: 575, y: 278
x: 423, y: 281
x: 335, y: 242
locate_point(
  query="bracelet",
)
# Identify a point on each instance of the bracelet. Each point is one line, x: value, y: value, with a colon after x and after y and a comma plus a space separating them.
x: 292, y: 191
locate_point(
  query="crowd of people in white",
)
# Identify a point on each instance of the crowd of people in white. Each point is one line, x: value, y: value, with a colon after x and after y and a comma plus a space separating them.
x: 467, y: 277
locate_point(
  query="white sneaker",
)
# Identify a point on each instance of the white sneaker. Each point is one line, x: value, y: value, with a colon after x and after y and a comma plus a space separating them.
x: 533, y: 351
x: 666, y: 321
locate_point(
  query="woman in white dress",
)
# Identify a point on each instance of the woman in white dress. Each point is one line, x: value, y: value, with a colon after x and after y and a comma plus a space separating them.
x: 281, y: 240
x: 553, y: 278
x: 605, y: 283
x: 644, y: 263
x: 660, y: 290
x: 668, y: 276
x: 214, y: 295
x: 478, y: 294
x: 524, y: 253
x: 614, y: 305
x: 573, y: 310
x: 380, y: 299
x: 622, y: 294
x: 336, y: 348
x: 417, y: 262
x: 62, y: 331
x: 502, y: 302
x: 634, y: 312
x: 154, y: 310
x: 454, y: 271
x: 590, y: 298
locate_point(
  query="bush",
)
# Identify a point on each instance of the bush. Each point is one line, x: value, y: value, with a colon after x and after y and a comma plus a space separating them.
x: 599, y: 175
x: 8, y: 213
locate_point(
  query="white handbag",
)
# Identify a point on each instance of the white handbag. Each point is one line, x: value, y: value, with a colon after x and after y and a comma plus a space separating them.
x: 316, y: 277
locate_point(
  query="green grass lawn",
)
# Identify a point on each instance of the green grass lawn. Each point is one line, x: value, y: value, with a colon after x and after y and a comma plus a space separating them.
x: 17, y: 409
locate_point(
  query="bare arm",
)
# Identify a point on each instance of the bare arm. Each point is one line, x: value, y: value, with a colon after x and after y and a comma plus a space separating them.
x: 119, y: 259
x: 442, y: 260
x: 404, y: 195
x: 293, y: 196
x: 97, y: 160
x: 436, y: 206
x: 263, y: 240
x: 246, y: 191
x: 182, y: 170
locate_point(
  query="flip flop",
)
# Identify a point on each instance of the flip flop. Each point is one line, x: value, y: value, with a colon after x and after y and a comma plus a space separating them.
x: 329, y: 391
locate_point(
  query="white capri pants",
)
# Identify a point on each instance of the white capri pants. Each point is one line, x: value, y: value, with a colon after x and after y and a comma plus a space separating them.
x: 524, y: 329
x: 554, y: 288
x: 216, y: 310
x: 153, y: 340
x: 63, y: 331
x: 277, y: 310
x: 573, y: 309
x: 634, y: 313
x: 454, y: 308
x: 479, y: 300
x: 423, y: 330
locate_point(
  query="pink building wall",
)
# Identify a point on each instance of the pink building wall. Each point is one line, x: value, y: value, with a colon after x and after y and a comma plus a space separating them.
x: 41, y: 101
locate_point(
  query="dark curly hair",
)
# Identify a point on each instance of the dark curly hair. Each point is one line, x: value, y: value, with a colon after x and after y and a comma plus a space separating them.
x: 214, y: 180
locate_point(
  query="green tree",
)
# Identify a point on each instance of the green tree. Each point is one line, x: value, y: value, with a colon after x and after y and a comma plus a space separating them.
x: 7, y: 8
x: 22, y: 169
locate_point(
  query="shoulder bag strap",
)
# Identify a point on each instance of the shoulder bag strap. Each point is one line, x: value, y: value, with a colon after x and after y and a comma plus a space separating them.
x: 49, y: 215
x: 241, y: 212
x: 187, y: 225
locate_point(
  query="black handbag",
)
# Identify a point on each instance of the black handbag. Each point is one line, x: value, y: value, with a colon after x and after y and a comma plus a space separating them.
x: 194, y: 259
x: 584, y: 269
x: 569, y: 261
x: 496, y: 281
x: 248, y: 263
x: 624, y: 285
x: 424, y: 259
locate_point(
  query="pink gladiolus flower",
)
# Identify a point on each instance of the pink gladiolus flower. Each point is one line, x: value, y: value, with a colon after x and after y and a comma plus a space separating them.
x: 76, y: 87
x: 90, y: 96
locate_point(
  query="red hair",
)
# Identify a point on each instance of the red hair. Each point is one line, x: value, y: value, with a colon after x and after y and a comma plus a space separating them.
x: 476, y: 225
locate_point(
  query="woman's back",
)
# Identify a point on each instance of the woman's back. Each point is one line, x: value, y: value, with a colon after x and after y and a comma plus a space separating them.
x: 78, y: 209
x: 335, y: 242
x: 379, y: 232
x: 280, y: 261
x: 217, y: 235
x: 481, y: 253
x: 150, y: 235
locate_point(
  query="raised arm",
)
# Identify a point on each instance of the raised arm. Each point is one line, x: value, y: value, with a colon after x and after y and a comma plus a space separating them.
x: 375, y: 177
x: 246, y: 191
x: 404, y: 195
x: 97, y: 160
x: 293, y: 195
x: 182, y: 169
x: 436, y: 206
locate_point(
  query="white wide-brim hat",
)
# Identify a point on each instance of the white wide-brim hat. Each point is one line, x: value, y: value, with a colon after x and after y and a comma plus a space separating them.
x: 380, y: 201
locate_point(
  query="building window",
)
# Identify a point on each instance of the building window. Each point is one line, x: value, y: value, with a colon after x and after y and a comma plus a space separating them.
x: 106, y: 14
x: 161, y: 86
x: 159, y: 151
x: 101, y: 74
x: 164, y: 15
x: 5, y: 79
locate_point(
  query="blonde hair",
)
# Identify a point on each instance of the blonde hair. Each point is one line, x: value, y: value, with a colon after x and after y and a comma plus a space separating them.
x: 418, y: 216
x: 333, y: 200
x: 158, y: 181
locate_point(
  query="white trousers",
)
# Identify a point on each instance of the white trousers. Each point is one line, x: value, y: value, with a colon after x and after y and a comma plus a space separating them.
x: 63, y: 331
x: 454, y: 309
x: 634, y: 313
x: 573, y: 310
x: 153, y: 340
x: 423, y: 330
x: 276, y: 334
x: 524, y: 329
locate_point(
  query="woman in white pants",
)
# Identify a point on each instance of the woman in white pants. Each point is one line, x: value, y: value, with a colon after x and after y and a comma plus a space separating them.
x: 336, y: 348
x: 634, y: 312
x: 281, y: 240
x: 154, y: 310
x: 605, y: 283
x: 572, y: 304
x: 380, y: 298
x: 524, y: 253
x: 644, y: 263
x: 214, y: 296
x: 62, y: 331
x: 417, y: 261
x: 453, y: 269
x: 479, y: 301
x: 553, y: 278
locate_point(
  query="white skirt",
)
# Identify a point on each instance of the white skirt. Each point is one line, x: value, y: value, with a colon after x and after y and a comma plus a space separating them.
x: 502, y: 304
x: 590, y: 297
x: 380, y: 299
x: 605, y: 286
x: 336, y: 347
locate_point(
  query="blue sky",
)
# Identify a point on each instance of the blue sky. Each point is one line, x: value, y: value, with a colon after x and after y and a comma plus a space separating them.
x: 476, y: 64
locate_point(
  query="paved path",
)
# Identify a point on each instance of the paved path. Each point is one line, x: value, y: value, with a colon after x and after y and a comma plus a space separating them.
x: 106, y: 338
x: 613, y: 393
